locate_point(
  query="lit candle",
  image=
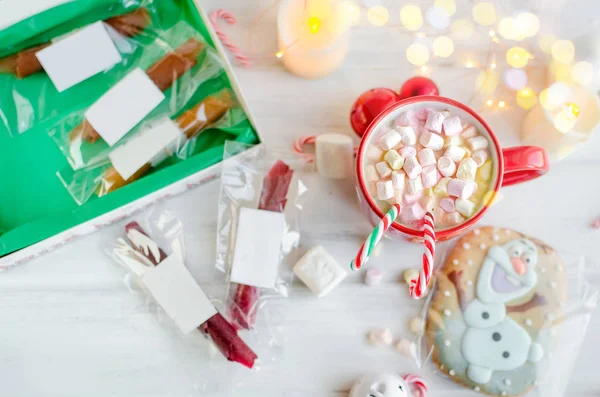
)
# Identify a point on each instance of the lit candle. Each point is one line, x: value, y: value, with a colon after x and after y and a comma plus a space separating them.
x: 313, y: 36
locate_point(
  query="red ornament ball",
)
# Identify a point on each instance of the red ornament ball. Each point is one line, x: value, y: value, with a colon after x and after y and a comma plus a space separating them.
x: 418, y: 86
x: 369, y: 105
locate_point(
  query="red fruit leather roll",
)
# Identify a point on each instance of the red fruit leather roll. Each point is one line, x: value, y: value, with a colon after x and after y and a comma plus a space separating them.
x: 276, y: 184
x: 25, y: 63
x: 163, y: 73
x: 222, y: 333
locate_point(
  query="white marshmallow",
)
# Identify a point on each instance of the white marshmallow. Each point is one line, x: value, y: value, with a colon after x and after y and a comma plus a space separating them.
x: 408, y: 151
x: 428, y: 203
x: 446, y: 166
x: 435, y: 121
x: 469, y: 132
x: 408, y: 118
x: 479, y: 156
x: 426, y: 157
x: 398, y: 178
x: 411, y: 198
x: 398, y: 196
x: 319, y: 271
x: 432, y: 140
x: 485, y: 172
x: 380, y: 337
x: 455, y: 153
x: 389, y: 140
x: 408, y: 134
x: 467, y: 169
x: 464, y: 207
x: 430, y: 176
x: 412, y: 167
x: 452, y: 126
x: 383, y: 169
x: 460, y: 188
x: 373, y: 277
x: 371, y: 174
x: 442, y: 187
x: 394, y: 159
x: 447, y: 204
x: 412, y: 212
x: 385, y: 190
x: 406, y: 348
x: 374, y: 153
x: 334, y: 155
x: 422, y: 113
x: 478, y: 142
x: 453, y: 218
x: 414, y: 186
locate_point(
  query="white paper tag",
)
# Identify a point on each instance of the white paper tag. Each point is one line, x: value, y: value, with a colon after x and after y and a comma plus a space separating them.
x: 176, y: 291
x: 79, y: 56
x: 142, y: 148
x: 123, y: 106
x: 13, y: 11
x: 257, y: 247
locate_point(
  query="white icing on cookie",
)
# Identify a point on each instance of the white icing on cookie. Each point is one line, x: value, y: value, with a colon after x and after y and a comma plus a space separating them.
x: 447, y: 343
x: 469, y: 283
x: 469, y: 262
x: 528, y: 322
x: 495, y: 237
x: 504, y: 393
x: 455, y: 262
x: 507, y: 382
x: 482, y: 246
x: 477, y: 388
x: 542, y: 270
x: 447, y: 293
x: 467, y: 246
x: 452, y: 372
x: 477, y: 232
x: 552, y: 284
x: 447, y: 313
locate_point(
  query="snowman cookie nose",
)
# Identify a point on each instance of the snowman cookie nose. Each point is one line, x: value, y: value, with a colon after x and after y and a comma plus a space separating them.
x: 518, y: 265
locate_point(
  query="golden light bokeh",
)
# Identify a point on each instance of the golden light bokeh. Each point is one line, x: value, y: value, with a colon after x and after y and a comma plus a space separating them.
x: 351, y: 12
x: 447, y: 5
x: 555, y: 96
x: 562, y: 71
x: 314, y: 25
x: 443, y: 46
x: 484, y: 13
x: 462, y: 29
x: 378, y: 15
x: 529, y: 24
x: 508, y: 28
x: 487, y: 82
x: 563, y: 51
x: 546, y: 42
x: 526, y: 98
x: 411, y: 17
x: 417, y: 54
x: 583, y: 72
x: 517, y: 57
x: 501, y: 104
x: 564, y: 121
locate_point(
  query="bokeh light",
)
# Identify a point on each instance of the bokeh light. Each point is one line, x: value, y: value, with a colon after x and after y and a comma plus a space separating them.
x: 546, y: 42
x: 563, y: 51
x: 437, y: 17
x: 583, y: 72
x: 562, y: 71
x: 314, y: 24
x: 378, y: 15
x: 447, y: 5
x: 555, y: 96
x: 443, y: 46
x: 526, y: 98
x: 515, y: 79
x: 411, y: 17
x: 484, y: 13
x: 529, y: 24
x: 351, y: 12
x: 517, y: 57
x: 487, y: 82
x: 508, y: 28
x: 417, y: 54
x: 462, y: 29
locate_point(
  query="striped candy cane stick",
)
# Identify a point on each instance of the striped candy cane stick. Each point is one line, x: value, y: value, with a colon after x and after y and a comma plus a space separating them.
x: 365, y: 250
x: 418, y: 384
x: 418, y: 286
x: 234, y: 49
x: 300, y: 142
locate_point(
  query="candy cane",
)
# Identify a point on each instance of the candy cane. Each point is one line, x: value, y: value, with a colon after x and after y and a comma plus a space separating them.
x: 309, y: 140
x: 418, y: 286
x: 365, y: 250
x: 418, y: 383
x: 234, y: 49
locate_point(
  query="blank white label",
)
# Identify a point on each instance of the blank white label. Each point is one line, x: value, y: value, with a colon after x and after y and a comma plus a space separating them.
x: 257, y: 247
x: 79, y: 56
x: 144, y: 146
x: 123, y: 106
x: 176, y: 291
x: 13, y: 11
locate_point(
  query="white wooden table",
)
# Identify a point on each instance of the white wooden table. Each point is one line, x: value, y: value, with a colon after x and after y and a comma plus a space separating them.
x: 70, y: 327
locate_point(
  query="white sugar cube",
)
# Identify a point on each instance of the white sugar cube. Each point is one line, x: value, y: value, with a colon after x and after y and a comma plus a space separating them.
x: 383, y: 169
x: 389, y: 140
x: 319, y: 271
x: 394, y: 159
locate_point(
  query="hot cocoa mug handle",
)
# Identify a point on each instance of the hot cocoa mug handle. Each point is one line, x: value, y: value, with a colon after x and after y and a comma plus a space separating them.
x: 524, y: 163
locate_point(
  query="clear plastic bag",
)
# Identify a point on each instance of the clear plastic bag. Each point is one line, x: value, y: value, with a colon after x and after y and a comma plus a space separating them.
x: 267, y: 180
x: 506, y: 314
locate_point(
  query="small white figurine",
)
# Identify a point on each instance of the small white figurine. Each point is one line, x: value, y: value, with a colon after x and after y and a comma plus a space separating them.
x: 389, y: 385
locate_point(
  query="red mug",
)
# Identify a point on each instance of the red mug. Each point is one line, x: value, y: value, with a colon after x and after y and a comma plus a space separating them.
x: 511, y: 165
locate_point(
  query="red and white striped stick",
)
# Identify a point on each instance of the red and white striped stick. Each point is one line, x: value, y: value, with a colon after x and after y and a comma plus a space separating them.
x: 418, y: 286
x: 234, y: 49
x: 308, y: 140
x: 418, y: 383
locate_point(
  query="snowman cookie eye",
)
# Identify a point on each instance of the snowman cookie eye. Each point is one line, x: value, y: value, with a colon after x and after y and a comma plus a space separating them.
x: 401, y: 388
x: 528, y: 259
x: 516, y: 252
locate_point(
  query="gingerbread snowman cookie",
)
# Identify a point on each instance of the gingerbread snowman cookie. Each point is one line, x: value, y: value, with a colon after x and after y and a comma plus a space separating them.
x: 491, y: 317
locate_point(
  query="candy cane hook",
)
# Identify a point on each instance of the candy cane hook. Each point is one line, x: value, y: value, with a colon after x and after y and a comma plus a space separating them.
x: 234, y: 49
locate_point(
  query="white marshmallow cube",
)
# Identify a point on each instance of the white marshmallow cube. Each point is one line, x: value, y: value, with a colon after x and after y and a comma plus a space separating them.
x: 442, y: 187
x: 460, y: 188
x: 464, y: 207
x: 430, y: 176
x: 414, y: 186
x: 319, y: 271
x: 432, y: 140
x: 411, y: 198
x: 435, y: 122
x: 407, y: 151
x: 428, y: 203
x: 453, y: 218
x: 394, y: 159
x: 371, y: 174
x: 446, y: 166
x: 383, y: 169
x: 398, y: 178
x: 334, y: 155
x: 374, y: 153
x: 452, y: 126
x: 469, y: 132
x: 412, y: 167
x: 408, y: 118
x: 447, y: 204
x: 408, y: 134
x: 389, y: 140
x: 422, y: 113
x: 478, y: 142
x: 426, y: 157
x: 467, y: 169
x: 385, y: 190
x: 455, y: 153
x: 480, y: 156
x: 412, y: 212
